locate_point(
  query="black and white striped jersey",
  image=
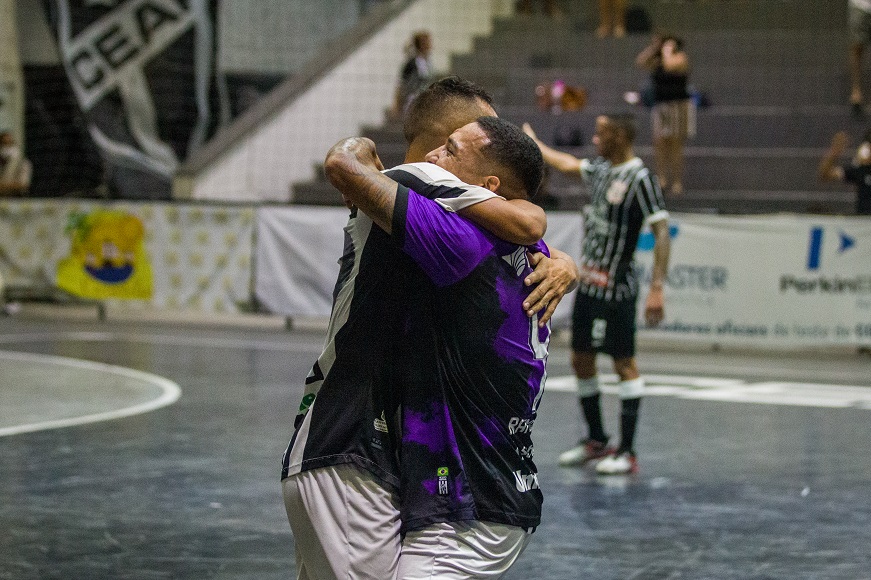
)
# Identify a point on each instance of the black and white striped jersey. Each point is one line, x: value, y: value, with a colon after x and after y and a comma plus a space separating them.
x: 348, y: 411
x: 623, y: 198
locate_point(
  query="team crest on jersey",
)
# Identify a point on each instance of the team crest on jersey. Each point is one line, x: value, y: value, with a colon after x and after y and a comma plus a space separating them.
x: 442, y: 473
x: 381, y: 423
x: 617, y: 192
x: 517, y: 259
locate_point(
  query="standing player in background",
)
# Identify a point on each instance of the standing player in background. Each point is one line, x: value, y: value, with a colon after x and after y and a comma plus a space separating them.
x: 340, y: 473
x: 471, y: 365
x: 623, y: 197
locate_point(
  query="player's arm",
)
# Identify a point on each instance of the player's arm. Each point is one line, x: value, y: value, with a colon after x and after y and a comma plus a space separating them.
x: 353, y: 167
x: 562, y: 162
x: 829, y: 169
x: 517, y: 221
x: 654, y: 309
x: 555, y: 277
x: 647, y: 58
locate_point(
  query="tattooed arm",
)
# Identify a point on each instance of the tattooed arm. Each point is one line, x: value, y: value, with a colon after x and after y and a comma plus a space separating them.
x: 353, y: 167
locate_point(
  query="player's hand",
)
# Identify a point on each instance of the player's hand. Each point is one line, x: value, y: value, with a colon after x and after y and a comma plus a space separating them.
x: 553, y: 278
x: 654, y: 309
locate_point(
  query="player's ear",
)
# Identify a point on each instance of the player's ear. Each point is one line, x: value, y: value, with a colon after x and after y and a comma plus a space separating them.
x: 492, y: 183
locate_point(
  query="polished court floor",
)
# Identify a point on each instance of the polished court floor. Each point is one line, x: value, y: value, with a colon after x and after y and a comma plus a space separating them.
x: 158, y: 457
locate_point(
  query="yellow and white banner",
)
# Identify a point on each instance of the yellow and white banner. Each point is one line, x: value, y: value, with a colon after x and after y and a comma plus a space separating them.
x: 178, y: 256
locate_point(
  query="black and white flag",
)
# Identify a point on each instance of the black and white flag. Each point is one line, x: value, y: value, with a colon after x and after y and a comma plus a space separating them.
x: 143, y: 72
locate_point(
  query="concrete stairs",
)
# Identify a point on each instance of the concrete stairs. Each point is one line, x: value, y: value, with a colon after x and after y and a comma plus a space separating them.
x: 774, y: 71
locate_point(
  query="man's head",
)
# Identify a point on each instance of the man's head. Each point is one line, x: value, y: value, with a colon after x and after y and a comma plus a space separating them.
x: 863, y: 151
x: 494, y: 154
x: 422, y: 42
x: 442, y: 108
x: 614, y: 135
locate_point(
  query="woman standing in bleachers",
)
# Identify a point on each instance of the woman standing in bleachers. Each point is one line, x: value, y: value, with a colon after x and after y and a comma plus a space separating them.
x: 673, y: 115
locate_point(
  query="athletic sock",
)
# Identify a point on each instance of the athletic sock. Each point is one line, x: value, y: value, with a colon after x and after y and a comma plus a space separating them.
x: 628, y: 421
x: 593, y: 415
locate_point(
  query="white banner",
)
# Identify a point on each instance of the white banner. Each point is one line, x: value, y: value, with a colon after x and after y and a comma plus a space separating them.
x: 298, y: 251
x: 766, y: 279
x: 769, y: 279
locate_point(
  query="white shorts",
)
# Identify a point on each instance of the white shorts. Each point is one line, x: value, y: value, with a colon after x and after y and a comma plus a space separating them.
x: 345, y: 524
x: 461, y: 550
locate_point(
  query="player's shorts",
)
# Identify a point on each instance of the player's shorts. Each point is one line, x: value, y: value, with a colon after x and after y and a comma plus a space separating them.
x: 606, y: 326
x: 674, y: 119
x: 461, y: 550
x: 859, y: 24
x: 345, y: 524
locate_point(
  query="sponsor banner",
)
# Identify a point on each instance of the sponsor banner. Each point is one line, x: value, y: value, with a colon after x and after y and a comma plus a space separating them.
x: 143, y: 74
x: 777, y: 279
x: 174, y: 256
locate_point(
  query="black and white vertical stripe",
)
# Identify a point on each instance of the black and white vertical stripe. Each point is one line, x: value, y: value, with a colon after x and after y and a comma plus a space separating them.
x: 612, y: 227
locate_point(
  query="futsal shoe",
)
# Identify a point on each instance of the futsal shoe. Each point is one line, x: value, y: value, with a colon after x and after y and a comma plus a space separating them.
x: 618, y: 464
x: 588, y: 450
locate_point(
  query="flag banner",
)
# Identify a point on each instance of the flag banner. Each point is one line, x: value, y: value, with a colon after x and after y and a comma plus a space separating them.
x: 143, y: 72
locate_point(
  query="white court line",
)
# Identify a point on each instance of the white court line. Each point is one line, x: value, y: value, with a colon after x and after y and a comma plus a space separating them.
x: 170, y: 392
x: 736, y: 391
x: 202, y: 342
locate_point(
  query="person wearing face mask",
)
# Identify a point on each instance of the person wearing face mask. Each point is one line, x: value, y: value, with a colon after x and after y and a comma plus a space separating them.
x: 857, y: 171
x: 15, y: 170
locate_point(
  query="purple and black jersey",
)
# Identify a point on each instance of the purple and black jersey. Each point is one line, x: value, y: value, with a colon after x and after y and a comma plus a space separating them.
x: 349, y: 410
x: 471, y: 372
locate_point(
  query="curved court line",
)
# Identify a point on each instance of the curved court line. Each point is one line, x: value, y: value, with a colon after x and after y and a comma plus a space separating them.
x: 170, y: 392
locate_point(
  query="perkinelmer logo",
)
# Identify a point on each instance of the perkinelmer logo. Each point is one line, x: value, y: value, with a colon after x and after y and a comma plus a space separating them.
x: 815, y: 247
x: 820, y: 283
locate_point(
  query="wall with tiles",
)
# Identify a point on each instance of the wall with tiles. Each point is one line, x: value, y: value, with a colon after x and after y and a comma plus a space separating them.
x: 11, y: 81
x: 278, y: 37
x: 286, y: 148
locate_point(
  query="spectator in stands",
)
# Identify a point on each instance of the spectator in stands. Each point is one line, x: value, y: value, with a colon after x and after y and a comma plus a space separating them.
x: 673, y: 114
x: 550, y: 7
x: 15, y: 169
x: 860, y: 35
x: 416, y: 72
x: 857, y: 172
x: 612, y: 18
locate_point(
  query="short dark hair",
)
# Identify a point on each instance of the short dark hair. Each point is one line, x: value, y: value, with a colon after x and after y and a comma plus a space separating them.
x: 418, y: 39
x: 624, y: 122
x: 514, y: 151
x: 436, y: 103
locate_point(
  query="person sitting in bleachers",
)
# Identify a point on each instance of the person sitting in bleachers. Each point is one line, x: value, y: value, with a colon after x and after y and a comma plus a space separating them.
x: 857, y: 172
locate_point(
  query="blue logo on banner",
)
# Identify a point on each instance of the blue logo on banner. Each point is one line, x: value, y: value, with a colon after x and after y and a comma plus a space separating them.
x: 815, y: 247
x: 646, y: 239
x: 846, y: 243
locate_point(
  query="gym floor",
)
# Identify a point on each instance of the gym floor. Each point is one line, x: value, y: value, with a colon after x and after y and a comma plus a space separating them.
x: 145, y: 450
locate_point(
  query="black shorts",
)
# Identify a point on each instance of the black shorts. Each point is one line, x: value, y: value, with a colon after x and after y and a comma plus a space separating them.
x: 604, y: 326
